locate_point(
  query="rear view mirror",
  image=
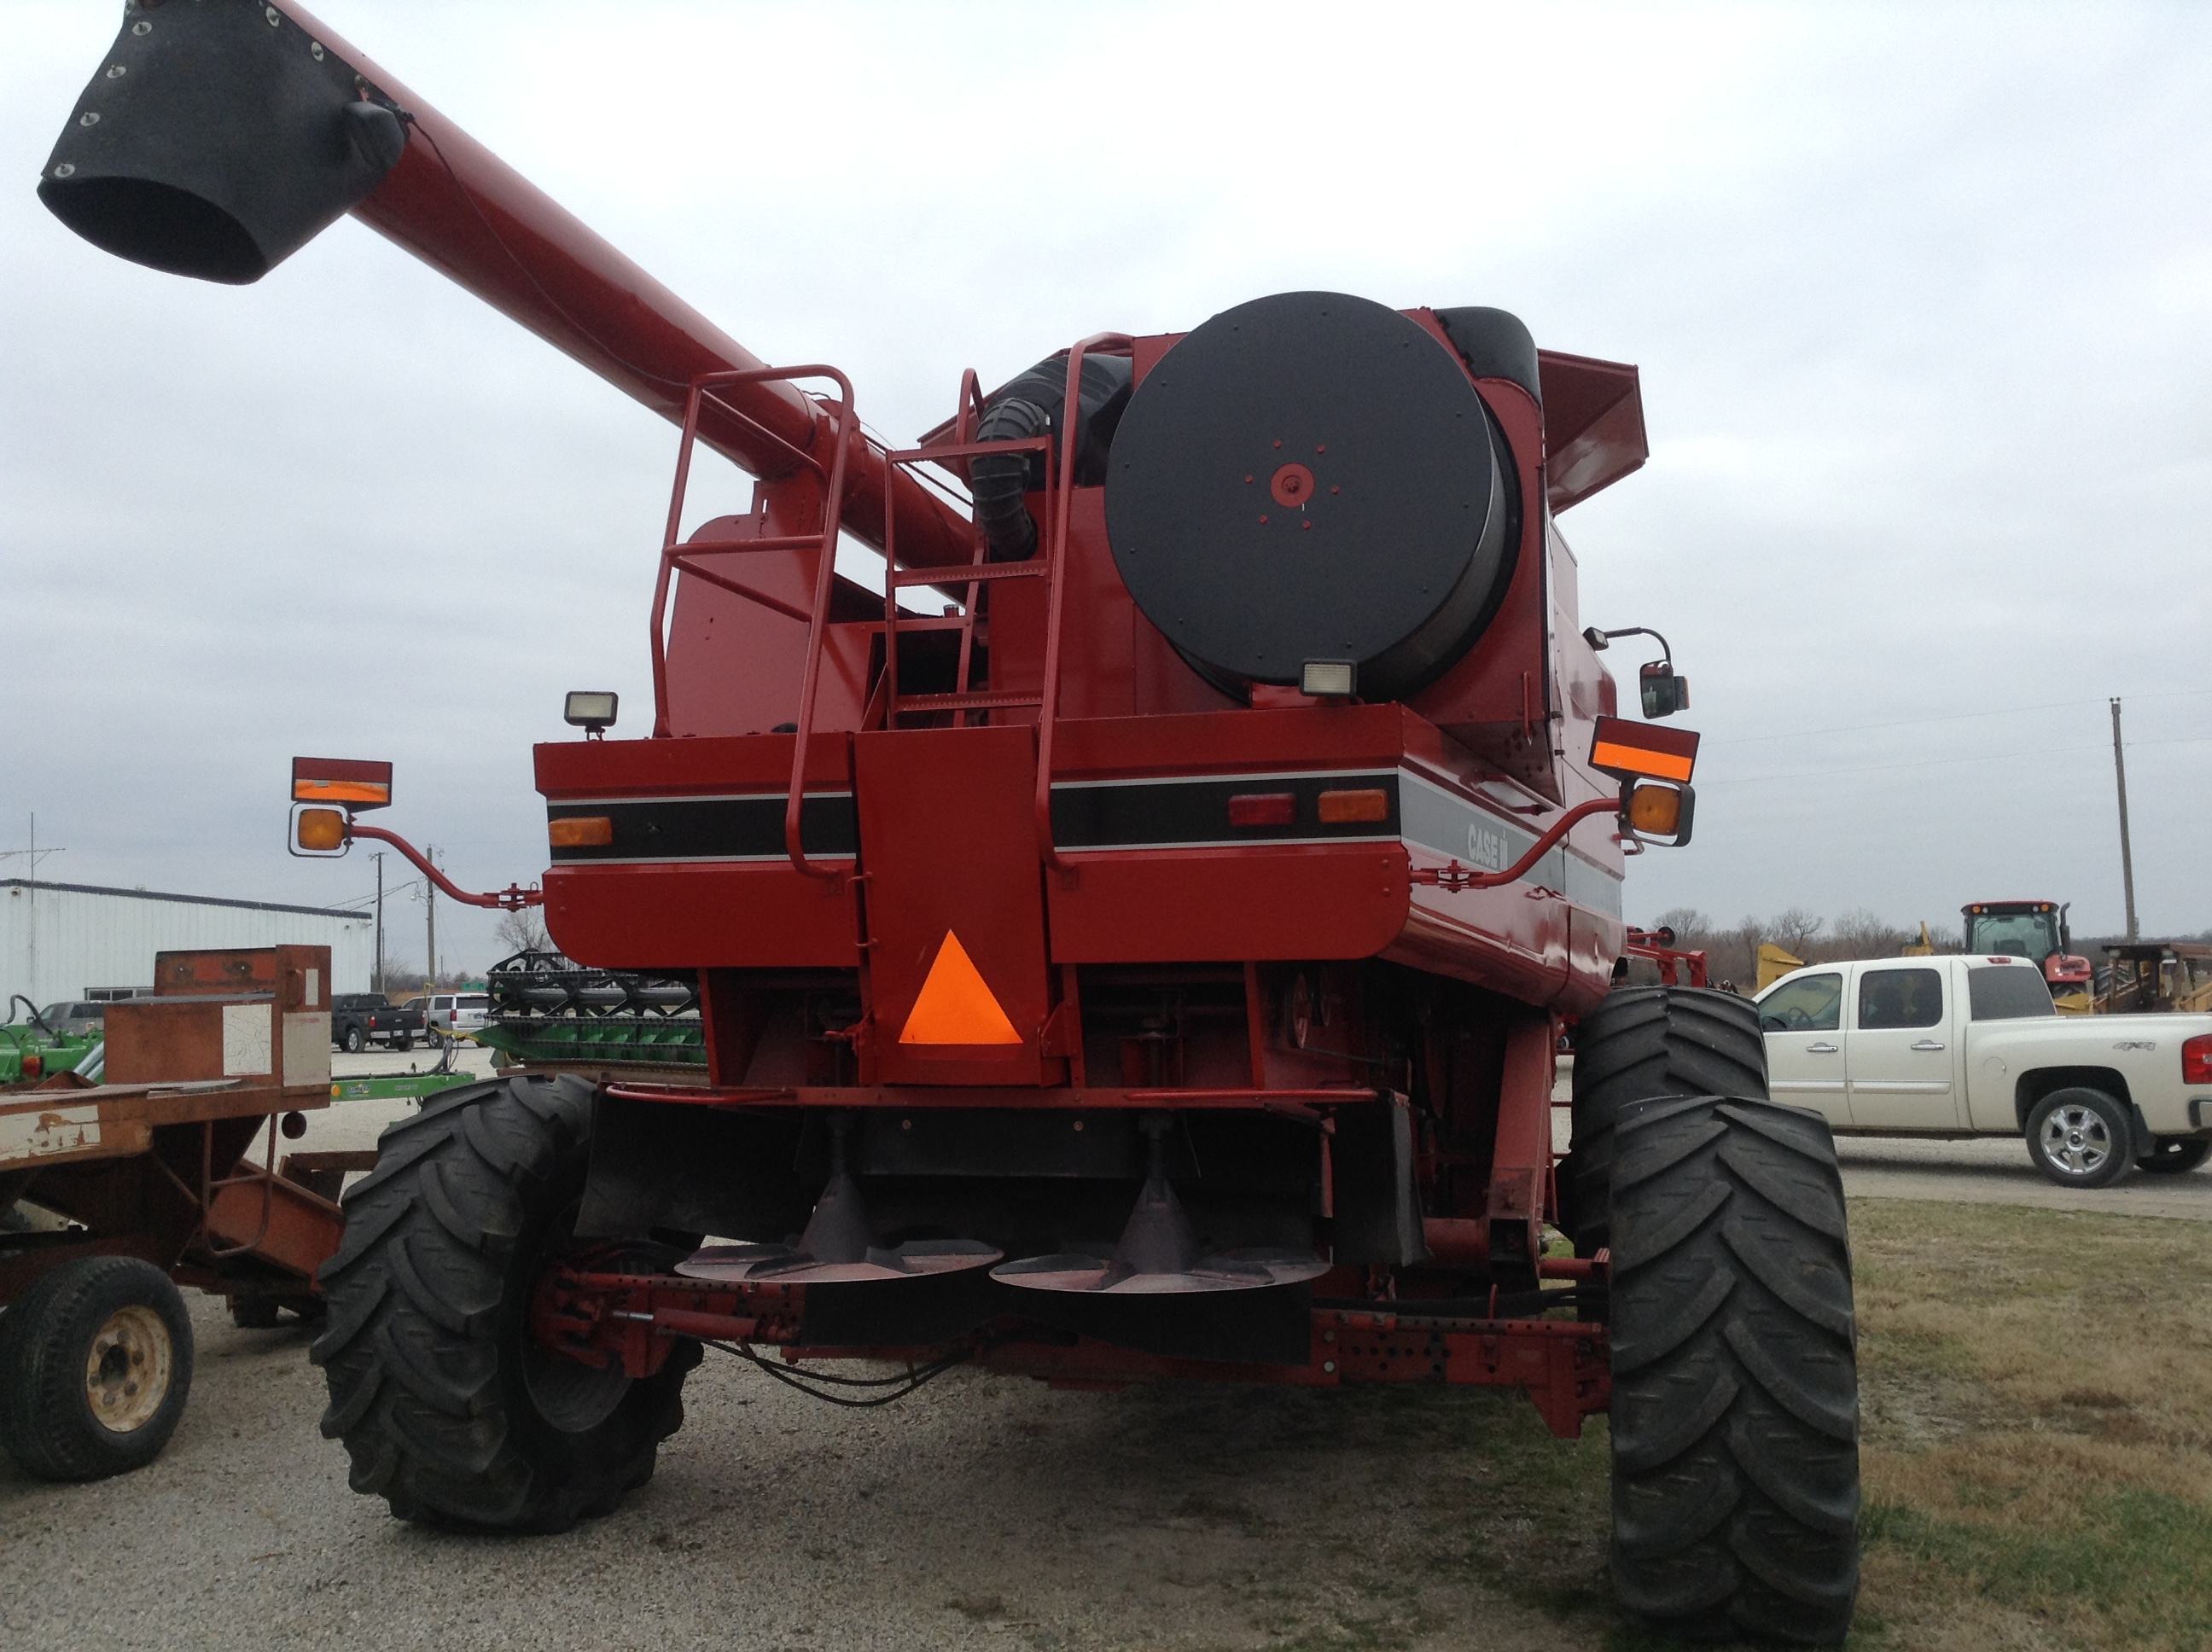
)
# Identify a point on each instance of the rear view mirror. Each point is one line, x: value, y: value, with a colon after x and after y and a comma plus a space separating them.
x: 1664, y: 694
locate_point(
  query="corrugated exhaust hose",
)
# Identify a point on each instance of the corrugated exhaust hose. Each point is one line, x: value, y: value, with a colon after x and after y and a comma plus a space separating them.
x: 1030, y: 406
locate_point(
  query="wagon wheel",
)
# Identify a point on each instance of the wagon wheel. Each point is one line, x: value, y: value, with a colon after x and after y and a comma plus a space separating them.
x: 96, y: 1362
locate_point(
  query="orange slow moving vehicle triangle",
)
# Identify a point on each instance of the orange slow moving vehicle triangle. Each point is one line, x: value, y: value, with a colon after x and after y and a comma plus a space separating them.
x: 955, y: 1006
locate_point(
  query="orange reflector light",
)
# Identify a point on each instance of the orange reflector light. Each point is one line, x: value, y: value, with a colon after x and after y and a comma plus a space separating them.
x: 341, y: 779
x: 1263, y: 809
x: 580, y: 832
x: 321, y: 830
x: 1655, y: 811
x: 1341, y: 808
x: 1626, y: 749
x: 955, y: 1006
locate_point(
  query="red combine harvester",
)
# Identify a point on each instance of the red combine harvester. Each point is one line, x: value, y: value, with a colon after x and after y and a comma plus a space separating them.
x: 1146, y: 964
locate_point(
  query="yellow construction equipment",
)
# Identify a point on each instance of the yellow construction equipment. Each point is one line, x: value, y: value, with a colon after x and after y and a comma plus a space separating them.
x: 1774, y: 964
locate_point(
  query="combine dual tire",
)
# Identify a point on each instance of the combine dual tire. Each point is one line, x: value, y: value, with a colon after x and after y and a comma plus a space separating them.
x: 1643, y: 1042
x: 1736, y: 1474
x: 448, y: 1409
x: 95, y: 1362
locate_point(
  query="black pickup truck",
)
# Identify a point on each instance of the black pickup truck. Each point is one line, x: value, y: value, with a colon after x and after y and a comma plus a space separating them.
x: 360, y: 1019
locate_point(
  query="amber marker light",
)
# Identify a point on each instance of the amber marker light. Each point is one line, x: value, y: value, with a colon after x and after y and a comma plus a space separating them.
x: 1658, y: 811
x: 580, y: 832
x: 320, y: 830
x: 1655, y: 811
x: 1347, y: 808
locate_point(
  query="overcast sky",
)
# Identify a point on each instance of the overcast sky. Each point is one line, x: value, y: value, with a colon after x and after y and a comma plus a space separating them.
x: 1920, y: 295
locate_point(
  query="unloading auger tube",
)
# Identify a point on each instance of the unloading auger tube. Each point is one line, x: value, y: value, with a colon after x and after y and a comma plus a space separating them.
x: 218, y: 138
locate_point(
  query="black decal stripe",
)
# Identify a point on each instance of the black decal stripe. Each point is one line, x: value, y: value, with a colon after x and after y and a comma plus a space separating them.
x: 1161, y: 814
x: 650, y: 830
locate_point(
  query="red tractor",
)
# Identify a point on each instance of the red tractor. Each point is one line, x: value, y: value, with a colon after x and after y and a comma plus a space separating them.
x: 1146, y: 962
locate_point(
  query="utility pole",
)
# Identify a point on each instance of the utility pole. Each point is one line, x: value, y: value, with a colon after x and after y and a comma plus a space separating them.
x: 2127, y: 855
x: 378, y: 858
x: 431, y: 910
x: 32, y: 855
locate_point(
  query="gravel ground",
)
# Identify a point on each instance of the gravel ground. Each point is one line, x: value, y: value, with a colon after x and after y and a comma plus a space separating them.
x: 984, y: 1512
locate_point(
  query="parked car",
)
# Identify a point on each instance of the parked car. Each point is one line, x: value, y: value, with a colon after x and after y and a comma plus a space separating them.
x: 75, y: 1017
x: 456, y: 1012
x: 358, y: 1019
x: 1953, y: 1046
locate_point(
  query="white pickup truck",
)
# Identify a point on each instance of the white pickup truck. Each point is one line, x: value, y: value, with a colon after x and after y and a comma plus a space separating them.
x: 1971, y: 1047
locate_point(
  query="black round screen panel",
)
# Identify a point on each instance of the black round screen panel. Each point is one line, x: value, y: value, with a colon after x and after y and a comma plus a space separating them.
x: 1311, y: 476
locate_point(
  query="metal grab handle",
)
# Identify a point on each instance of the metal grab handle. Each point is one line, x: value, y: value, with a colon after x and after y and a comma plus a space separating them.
x: 1821, y: 1049
x: 1928, y: 1044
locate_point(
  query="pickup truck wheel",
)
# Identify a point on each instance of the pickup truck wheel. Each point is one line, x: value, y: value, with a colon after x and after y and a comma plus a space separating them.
x: 95, y: 1360
x: 1644, y: 1042
x: 1736, y: 1461
x: 2081, y: 1138
x: 2173, y: 1156
x: 447, y: 1409
x: 405, y: 1042
x: 354, y: 1041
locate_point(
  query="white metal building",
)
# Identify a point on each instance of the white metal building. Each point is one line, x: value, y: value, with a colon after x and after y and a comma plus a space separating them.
x: 74, y: 940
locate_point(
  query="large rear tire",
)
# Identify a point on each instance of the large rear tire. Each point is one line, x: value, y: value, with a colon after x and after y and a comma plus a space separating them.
x: 1735, y: 1467
x: 1640, y: 1043
x: 448, y: 1409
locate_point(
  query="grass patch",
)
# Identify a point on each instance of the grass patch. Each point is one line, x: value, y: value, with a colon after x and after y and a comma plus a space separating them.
x: 2037, y: 1388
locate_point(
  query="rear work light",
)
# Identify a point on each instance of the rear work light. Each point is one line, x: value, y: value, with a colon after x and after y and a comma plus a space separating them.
x: 2197, y: 1059
x: 1263, y: 809
x: 1341, y: 808
x: 580, y: 832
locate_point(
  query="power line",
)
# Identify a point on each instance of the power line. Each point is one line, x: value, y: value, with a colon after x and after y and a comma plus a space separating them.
x: 1952, y: 717
x: 1947, y: 763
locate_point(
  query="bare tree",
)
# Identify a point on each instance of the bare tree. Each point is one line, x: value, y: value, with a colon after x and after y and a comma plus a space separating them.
x: 1691, y: 926
x: 521, y: 931
x: 1792, y: 929
x: 1860, y: 933
x: 400, y: 974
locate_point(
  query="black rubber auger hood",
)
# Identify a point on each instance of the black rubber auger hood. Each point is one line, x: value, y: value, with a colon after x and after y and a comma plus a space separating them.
x: 215, y: 140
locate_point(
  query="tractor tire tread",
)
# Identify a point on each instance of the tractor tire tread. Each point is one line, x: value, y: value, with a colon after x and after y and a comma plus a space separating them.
x: 1735, y: 1395
x: 1639, y: 1043
x: 423, y: 1351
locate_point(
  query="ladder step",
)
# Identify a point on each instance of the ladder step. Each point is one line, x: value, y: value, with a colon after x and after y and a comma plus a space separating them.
x: 914, y: 703
x: 728, y: 547
x: 966, y: 573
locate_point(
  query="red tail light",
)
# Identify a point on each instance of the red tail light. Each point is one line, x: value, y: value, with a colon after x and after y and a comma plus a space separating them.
x: 2197, y: 1059
x: 1263, y: 809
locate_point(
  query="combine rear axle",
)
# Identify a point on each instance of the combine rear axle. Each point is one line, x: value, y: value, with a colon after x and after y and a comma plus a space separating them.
x: 634, y: 1322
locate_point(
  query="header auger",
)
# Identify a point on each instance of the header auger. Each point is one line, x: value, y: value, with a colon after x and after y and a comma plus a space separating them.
x: 1149, y: 965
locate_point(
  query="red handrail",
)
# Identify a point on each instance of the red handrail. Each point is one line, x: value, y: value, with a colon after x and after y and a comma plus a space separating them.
x: 673, y: 558
x: 1056, y: 574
